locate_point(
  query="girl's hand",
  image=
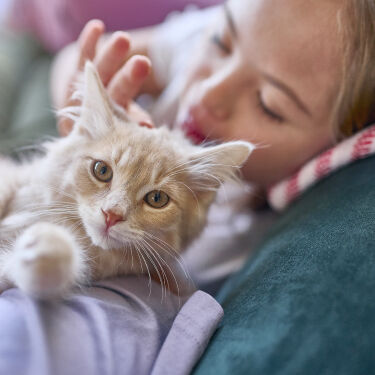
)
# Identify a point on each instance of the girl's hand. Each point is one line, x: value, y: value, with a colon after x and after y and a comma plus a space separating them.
x: 121, y: 76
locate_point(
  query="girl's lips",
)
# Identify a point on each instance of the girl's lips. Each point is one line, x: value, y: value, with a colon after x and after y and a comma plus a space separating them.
x: 190, y: 127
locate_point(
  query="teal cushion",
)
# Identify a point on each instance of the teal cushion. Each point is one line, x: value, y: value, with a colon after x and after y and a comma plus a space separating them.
x: 305, y: 304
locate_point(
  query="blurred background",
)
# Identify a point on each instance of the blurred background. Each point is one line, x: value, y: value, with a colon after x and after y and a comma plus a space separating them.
x: 4, y: 4
x: 32, y: 31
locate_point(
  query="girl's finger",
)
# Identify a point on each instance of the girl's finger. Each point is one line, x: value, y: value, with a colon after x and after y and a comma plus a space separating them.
x: 128, y: 80
x: 88, y: 40
x: 137, y: 114
x: 112, y: 56
x: 64, y: 126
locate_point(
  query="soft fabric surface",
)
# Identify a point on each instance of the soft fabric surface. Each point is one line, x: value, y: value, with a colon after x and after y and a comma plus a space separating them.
x: 117, y: 327
x: 305, y: 304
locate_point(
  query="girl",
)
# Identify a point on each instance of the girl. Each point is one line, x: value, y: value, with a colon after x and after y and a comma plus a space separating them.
x: 292, y: 77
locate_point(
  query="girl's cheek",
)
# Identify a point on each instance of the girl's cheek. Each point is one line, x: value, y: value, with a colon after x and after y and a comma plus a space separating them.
x: 200, y: 71
x: 194, y: 77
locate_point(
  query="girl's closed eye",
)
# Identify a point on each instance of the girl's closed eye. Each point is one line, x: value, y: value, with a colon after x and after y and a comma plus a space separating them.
x: 267, y: 111
x: 217, y: 40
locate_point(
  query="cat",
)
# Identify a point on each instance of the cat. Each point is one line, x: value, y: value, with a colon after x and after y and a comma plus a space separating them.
x: 110, y: 199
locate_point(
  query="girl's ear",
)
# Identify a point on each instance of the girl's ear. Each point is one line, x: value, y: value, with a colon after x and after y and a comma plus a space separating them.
x: 212, y: 166
x: 96, y: 112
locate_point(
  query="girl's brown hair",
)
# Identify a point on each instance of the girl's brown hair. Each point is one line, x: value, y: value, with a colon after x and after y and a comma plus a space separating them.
x: 355, y: 105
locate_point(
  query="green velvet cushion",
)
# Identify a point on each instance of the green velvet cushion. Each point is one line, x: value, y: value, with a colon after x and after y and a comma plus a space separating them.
x: 305, y: 304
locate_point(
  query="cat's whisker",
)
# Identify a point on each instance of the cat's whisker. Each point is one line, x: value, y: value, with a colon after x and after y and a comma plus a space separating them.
x: 193, y: 194
x: 201, y: 162
x: 165, y: 278
x: 78, y: 227
x: 146, y: 265
x: 197, y: 174
x: 51, y: 212
x: 150, y: 257
x: 52, y: 204
x: 196, y: 161
x: 122, y: 261
x: 173, y: 253
x: 158, y: 242
x: 51, y: 217
x: 56, y: 190
x: 192, y: 161
x: 169, y: 268
x: 139, y: 258
x: 203, y: 180
x: 61, y: 206
x: 131, y: 254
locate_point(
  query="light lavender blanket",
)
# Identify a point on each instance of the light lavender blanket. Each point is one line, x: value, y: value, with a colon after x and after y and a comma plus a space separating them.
x: 115, y: 327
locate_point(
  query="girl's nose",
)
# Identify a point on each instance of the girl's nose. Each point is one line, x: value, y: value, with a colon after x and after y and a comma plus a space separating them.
x: 219, y: 93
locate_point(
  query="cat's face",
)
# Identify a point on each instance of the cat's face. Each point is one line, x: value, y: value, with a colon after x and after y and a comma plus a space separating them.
x: 138, y: 186
x: 133, y: 184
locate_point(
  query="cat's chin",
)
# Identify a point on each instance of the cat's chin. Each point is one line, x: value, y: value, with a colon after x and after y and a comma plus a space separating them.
x: 104, y: 240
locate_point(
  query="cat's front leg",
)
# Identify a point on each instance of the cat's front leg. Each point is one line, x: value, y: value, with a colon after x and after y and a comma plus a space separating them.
x: 46, y: 261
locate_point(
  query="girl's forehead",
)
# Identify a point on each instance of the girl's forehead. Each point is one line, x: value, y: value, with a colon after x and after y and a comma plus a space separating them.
x: 297, y: 42
x: 311, y: 24
x: 297, y: 9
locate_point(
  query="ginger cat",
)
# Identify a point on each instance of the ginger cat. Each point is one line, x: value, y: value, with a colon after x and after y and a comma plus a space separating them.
x: 112, y: 198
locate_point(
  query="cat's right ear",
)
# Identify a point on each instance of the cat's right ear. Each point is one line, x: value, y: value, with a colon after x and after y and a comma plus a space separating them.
x: 96, y: 110
x: 214, y: 165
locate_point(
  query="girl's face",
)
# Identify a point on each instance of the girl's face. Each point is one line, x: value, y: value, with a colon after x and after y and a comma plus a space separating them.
x: 267, y: 72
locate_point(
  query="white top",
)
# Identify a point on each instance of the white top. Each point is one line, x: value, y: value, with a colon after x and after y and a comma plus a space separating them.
x: 233, y: 229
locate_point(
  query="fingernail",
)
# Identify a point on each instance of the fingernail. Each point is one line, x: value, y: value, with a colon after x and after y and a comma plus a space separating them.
x: 141, y: 66
x: 147, y: 124
x: 64, y: 127
x: 98, y: 23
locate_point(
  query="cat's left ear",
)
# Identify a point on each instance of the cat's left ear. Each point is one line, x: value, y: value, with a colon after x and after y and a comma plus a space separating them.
x: 96, y: 114
x: 211, y: 166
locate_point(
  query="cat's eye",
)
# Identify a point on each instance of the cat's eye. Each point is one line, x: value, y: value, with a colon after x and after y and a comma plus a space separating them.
x: 156, y: 199
x: 102, y: 171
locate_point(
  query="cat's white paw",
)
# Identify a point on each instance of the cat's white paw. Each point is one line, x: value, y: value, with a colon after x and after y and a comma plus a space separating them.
x: 46, y: 261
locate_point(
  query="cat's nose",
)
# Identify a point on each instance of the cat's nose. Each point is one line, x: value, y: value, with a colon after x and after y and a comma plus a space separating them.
x: 111, y: 218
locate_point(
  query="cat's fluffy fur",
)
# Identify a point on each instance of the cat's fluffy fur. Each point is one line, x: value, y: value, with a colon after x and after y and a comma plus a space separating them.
x: 52, y: 227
